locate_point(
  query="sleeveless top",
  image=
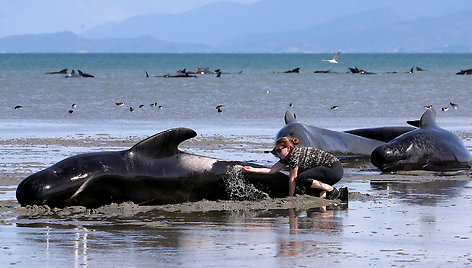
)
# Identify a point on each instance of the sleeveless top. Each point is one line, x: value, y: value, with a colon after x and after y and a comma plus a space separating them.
x: 307, y: 157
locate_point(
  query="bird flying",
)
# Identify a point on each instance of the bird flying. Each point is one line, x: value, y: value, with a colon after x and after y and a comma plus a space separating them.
x: 335, y: 58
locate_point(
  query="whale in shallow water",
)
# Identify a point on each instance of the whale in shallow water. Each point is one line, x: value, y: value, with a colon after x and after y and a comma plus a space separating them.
x: 465, y: 72
x: 429, y: 147
x: 154, y: 171
x: 336, y: 142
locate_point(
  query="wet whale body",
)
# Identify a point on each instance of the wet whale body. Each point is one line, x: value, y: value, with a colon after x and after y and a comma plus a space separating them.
x: 429, y: 147
x: 336, y: 142
x: 384, y: 134
x: 154, y: 171
x: 465, y: 72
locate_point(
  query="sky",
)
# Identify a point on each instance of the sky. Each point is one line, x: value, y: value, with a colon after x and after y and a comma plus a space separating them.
x: 47, y: 16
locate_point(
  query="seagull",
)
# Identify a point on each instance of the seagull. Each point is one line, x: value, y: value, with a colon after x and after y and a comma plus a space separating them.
x: 335, y: 58
x: 455, y: 106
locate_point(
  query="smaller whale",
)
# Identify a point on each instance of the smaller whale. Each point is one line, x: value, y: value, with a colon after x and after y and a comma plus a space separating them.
x: 384, y: 134
x: 72, y: 74
x: 179, y: 74
x: 324, y: 72
x: 84, y: 74
x: 355, y: 70
x: 429, y: 147
x: 63, y: 71
x: 465, y: 72
x: 336, y: 142
x: 293, y: 71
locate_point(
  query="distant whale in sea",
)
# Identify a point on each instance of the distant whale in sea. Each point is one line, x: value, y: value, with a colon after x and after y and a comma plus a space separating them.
x: 355, y: 70
x: 84, y: 74
x: 465, y: 72
x: 72, y: 74
x: 63, y: 71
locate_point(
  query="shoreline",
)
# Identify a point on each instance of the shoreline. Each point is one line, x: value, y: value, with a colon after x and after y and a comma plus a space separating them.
x: 240, y: 147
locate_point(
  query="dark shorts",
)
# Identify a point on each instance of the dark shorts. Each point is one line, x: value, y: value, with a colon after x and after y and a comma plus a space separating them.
x: 329, y: 175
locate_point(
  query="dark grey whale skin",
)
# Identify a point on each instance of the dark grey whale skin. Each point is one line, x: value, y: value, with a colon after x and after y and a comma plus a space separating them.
x: 429, y: 147
x: 336, y: 142
x: 152, y: 172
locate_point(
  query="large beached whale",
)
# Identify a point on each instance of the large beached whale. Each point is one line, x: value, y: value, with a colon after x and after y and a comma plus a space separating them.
x: 429, y: 147
x: 154, y: 171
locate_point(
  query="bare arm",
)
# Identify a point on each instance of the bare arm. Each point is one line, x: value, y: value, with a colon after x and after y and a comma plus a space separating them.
x: 275, y: 168
x: 291, y: 182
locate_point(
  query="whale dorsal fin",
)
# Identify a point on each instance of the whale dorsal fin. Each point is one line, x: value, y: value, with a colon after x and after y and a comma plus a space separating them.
x: 428, y: 118
x: 289, y: 117
x: 164, y: 143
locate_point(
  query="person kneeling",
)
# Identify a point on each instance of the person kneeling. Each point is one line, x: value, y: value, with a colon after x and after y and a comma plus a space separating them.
x: 308, y: 168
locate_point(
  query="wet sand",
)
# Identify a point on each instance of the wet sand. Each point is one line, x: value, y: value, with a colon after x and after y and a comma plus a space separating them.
x: 427, y: 195
x: 20, y: 149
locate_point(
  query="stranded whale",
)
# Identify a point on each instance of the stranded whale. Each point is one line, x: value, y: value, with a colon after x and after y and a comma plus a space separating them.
x: 335, y: 142
x: 427, y: 148
x: 154, y: 171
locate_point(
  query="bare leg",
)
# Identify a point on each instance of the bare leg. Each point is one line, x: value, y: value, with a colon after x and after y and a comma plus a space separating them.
x: 323, y: 186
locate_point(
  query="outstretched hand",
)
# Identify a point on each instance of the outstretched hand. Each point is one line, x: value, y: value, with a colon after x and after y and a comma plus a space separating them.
x: 248, y: 168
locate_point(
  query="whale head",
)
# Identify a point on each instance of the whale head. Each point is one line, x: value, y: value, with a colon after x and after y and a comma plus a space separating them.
x: 427, y: 148
x: 62, y: 183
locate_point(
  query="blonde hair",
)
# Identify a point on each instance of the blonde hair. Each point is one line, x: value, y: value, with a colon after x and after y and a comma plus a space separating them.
x: 288, y: 142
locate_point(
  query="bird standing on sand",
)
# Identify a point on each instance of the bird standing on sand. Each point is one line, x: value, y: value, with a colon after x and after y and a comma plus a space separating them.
x: 335, y: 58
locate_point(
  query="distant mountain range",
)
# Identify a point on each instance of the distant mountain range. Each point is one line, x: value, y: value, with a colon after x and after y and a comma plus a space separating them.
x: 269, y: 26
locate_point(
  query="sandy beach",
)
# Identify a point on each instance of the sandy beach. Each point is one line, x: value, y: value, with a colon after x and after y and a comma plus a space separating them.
x: 431, y: 197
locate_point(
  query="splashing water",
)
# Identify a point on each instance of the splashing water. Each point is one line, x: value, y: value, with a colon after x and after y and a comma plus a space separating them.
x: 237, y: 188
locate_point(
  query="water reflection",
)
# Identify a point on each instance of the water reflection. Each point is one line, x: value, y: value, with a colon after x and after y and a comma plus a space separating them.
x: 319, y: 220
x: 181, y: 238
x: 425, y: 193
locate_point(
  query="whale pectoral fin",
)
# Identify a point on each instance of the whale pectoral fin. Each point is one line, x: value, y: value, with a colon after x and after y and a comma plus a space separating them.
x: 289, y: 117
x: 415, y: 123
x: 164, y: 143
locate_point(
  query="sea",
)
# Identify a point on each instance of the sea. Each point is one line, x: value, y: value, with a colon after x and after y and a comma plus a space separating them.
x: 255, y: 92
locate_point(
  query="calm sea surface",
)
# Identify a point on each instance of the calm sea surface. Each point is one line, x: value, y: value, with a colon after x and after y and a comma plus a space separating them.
x: 405, y: 224
x: 256, y: 98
